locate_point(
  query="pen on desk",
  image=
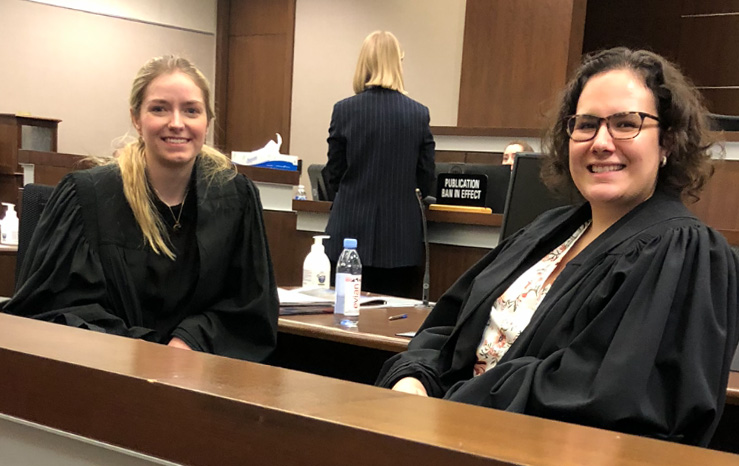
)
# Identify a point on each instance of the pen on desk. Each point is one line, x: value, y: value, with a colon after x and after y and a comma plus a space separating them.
x: 398, y: 317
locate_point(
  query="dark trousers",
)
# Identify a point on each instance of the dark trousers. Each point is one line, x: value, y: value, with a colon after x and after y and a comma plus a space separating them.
x: 400, y: 281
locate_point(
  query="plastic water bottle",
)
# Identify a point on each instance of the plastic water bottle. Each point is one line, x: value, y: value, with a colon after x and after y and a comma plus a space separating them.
x: 348, y: 285
x: 301, y: 196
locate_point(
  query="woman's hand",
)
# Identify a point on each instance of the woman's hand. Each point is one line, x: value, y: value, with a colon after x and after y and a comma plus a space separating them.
x: 410, y: 385
x: 178, y: 343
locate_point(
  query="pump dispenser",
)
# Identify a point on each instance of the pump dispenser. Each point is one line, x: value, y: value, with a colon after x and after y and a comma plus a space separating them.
x: 316, y: 267
x: 9, y: 226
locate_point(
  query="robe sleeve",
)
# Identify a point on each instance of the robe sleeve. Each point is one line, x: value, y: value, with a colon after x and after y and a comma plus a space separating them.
x: 242, y: 323
x: 61, y: 279
x: 643, y: 345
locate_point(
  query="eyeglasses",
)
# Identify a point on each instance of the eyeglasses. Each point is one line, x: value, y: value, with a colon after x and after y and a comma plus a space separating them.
x: 624, y: 125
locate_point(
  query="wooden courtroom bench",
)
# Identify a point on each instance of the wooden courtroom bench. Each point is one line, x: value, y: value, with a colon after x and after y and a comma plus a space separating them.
x: 199, y: 409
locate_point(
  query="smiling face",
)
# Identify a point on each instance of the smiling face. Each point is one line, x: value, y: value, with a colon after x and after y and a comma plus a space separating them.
x: 172, y: 121
x: 616, y: 175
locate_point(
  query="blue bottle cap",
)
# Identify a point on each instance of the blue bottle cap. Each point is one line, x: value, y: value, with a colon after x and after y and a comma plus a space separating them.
x: 350, y: 243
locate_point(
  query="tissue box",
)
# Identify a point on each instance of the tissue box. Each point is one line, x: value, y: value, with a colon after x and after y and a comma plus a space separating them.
x: 258, y: 159
x: 267, y: 157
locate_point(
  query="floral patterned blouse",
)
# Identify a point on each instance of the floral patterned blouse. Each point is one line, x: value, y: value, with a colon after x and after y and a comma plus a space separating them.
x: 512, y: 311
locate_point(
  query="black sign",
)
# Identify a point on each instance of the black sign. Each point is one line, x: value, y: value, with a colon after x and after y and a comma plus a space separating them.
x: 461, y: 189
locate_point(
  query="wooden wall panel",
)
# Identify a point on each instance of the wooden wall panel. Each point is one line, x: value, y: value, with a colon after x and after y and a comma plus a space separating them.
x: 709, y: 49
x: 723, y: 101
x: 698, y: 7
x: 642, y: 24
x: 280, y: 228
x: 719, y: 203
x: 7, y: 273
x: 259, y: 17
x: 512, y: 68
x: 256, y: 65
x: 448, y: 263
x: 701, y: 36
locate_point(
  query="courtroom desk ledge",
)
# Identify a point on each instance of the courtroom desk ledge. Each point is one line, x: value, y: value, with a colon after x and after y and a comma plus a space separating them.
x: 464, y: 218
x: 269, y: 175
x: 320, y: 207
x: 732, y: 389
x: 7, y: 249
x: 728, y: 136
x: 485, y: 131
x: 199, y: 409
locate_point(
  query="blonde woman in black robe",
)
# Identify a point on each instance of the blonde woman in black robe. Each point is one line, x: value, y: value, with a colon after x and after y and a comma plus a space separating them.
x: 165, y: 242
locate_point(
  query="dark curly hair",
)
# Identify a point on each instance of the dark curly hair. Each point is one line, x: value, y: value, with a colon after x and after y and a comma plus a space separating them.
x: 683, y: 123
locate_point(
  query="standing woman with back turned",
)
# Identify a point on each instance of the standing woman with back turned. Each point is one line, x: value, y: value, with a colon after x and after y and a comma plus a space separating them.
x: 380, y: 149
x: 165, y: 242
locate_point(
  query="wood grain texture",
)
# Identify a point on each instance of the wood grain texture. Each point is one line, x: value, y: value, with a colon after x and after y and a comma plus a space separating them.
x: 199, y: 409
x: 7, y: 270
x: 510, y: 76
x: 719, y: 203
x: 283, y: 246
x: 709, y: 64
x: 259, y: 67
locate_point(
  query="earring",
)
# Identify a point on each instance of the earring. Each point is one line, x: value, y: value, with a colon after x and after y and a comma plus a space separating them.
x: 663, y: 161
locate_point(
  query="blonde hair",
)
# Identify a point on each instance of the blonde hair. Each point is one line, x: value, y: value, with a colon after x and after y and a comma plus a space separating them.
x: 131, y: 158
x: 379, y: 63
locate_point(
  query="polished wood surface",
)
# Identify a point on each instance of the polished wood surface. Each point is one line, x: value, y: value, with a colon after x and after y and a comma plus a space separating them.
x: 7, y: 270
x: 732, y: 390
x: 695, y: 34
x: 201, y: 409
x: 374, y: 329
x: 258, y: 64
x: 718, y: 206
x: 509, y: 76
x: 485, y: 131
x: 269, y: 175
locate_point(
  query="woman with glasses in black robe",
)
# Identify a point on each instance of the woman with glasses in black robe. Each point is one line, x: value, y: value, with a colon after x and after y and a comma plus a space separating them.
x: 620, y: 313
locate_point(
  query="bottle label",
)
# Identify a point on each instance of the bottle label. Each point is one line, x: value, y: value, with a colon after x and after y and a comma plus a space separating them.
x: 352, y: 293
x: 348, y: 292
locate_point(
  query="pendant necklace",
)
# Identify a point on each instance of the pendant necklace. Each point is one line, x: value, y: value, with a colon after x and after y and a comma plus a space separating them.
x: 176, y: 219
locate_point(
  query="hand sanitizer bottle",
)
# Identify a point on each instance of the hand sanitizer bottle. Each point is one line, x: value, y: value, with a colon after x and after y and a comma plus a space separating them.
x: 316, y: 267
x: 9, y: 226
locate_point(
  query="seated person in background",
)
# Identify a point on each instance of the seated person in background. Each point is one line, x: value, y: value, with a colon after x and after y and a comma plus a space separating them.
x: 620, y: 313
x: 164, y: 242
x: 514, y: 147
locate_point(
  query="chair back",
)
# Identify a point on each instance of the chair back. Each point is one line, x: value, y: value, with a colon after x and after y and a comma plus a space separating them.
x: 33, y: 200
x: 319, y: 190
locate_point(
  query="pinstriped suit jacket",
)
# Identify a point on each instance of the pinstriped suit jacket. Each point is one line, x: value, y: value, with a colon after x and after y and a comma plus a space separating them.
x: 380, y: 148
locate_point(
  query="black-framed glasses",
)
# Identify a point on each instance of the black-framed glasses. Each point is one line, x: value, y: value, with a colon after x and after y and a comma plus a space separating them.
x: 623, y: 125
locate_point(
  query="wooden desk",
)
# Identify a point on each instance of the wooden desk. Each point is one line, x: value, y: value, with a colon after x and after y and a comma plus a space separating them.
x: 358, y: 356
x: 7, y: 269
x: 315, y: 344
x: 201, y: 409
x: 374, y: 330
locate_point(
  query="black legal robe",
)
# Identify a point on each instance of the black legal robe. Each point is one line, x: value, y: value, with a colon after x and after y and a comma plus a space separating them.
x: 635, y: 335
x: 88, y: 266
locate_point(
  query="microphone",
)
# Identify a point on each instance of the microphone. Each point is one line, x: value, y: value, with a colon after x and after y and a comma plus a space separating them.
x: 426, y: 275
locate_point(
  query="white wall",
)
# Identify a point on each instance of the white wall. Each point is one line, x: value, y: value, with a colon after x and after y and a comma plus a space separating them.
x: 328, y: 36
x: 78, y: 66
x: 196, y: 15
